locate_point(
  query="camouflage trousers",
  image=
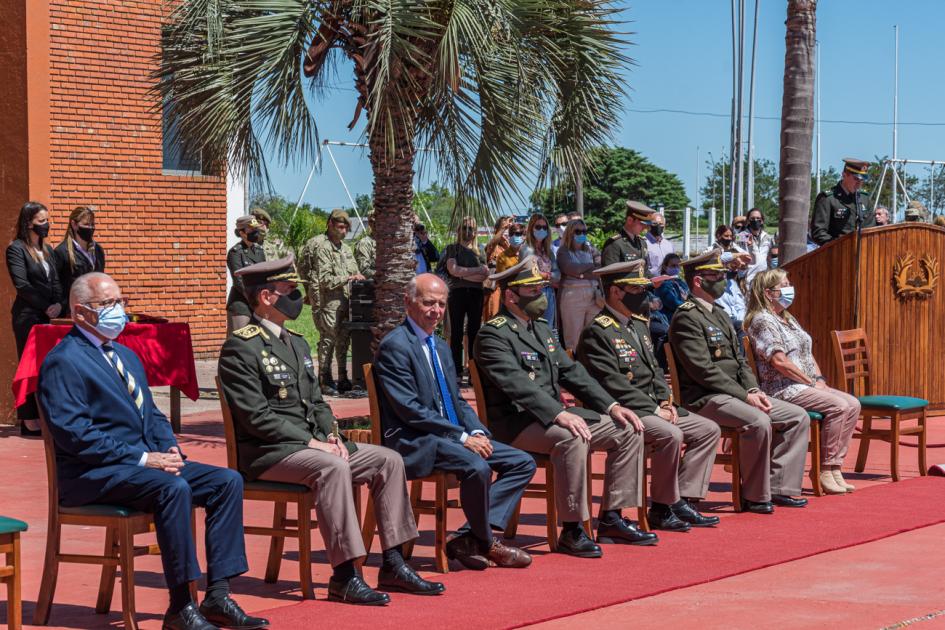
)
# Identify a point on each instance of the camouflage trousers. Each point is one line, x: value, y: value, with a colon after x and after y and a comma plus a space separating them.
x: 333, y: 335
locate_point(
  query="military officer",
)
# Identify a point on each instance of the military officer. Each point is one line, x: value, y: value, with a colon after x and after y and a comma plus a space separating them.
x: 286, y: 433
x: 247, y: 252
x: 616, y: 350
x: 366, y: 250
x: 272, y: 247
x: 330, y: 267
x: 716, y: 382
x: 835, y: 210
x: 629, y: 244
x: 523, y: 369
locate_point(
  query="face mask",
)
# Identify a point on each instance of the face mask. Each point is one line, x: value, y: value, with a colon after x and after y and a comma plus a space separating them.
x: 636, y: 302
x: 580, y: 239
x: 253, y: 237
x: 517, y: 240
x: 672, y: 271
x: 41, y: 229
x: 534, y: 306
x: 467, y: 233
x: 756, y: 224
x: 656, y: 230
x: 725, y: 242
x: 774, y: 263
x: 715, y: 288
x: 85, y: 233
x: 540, y: 234
x: 787, y: 297
x: 290, y: 304
x: 111, y: 321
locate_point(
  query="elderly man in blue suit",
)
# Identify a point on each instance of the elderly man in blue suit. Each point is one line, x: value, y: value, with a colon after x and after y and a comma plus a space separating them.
x: 114, y: 446
x: 432, y: 427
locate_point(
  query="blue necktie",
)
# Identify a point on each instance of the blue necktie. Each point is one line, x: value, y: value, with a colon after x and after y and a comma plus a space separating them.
x: 441, y: 381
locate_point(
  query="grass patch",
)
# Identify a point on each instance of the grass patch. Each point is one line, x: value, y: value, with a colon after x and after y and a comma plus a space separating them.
x: 306, y: 327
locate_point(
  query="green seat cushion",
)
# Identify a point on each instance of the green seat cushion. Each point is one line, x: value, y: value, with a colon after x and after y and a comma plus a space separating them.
x: 99, y: 509
x: 897, y: 403
x: 815, y: 415
x: 271, y: 486
x: 11, y: 525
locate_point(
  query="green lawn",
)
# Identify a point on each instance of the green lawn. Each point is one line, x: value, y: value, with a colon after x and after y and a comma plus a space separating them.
x: 306, y: 326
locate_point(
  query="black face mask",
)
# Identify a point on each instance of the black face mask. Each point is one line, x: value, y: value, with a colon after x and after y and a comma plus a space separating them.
x: 638, y: 303
x: 253, y: 237
x: 656, y: 230
x: 725, y: 242
x: 41, y: 229
x: 534, y: 306
x: 756, y: 224
x: 290, y: 304
x: 85, y: 233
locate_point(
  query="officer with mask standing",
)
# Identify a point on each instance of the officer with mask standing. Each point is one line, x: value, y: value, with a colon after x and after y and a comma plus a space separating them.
x: 835, y: 210
x: 247, y: 252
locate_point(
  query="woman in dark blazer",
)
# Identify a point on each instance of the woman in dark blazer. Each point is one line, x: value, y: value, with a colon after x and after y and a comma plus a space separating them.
x: 32, y: 266
x: 78, y: 254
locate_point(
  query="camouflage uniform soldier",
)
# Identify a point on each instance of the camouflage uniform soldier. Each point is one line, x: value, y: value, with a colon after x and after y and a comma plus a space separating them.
x: 366, y: 250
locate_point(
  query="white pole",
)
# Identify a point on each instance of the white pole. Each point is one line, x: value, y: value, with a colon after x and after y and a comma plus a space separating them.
x: 687, y: 218
x: 354, y: 206
x: 751, y: 114
x: 698, y: 171
x: 304, y: 189
x: 728, y: 218
x: 736, y: 114
x: 895, y: 183
x: 819, y: 114
x: 740, y: 182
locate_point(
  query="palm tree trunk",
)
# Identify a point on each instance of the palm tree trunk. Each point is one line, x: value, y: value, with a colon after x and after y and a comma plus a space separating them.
x: 797, y: 127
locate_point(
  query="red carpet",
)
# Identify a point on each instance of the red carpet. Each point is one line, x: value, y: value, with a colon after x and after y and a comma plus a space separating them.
x: 556, y: 585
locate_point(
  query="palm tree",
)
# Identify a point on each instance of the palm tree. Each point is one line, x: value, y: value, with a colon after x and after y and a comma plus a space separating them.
x: 797, y: 127
x: 490, y: 92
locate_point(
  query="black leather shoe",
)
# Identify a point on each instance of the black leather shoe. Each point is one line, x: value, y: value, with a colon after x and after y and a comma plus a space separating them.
x: 327, y: 386
x: 25, y: 431
x: 344, y: 386
x: 664, y: 518
x: 624, y: 531
x: 189, y: 618
x: 685, y: 512
x: 764, y: 507
x: 406, y: 580
x: 226, y: 613
x: 465, y: 548
x: 576, y: 542
x: 786, y: 501
x: 355, y: 591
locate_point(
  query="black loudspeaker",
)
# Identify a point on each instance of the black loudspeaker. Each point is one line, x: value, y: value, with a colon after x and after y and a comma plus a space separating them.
x: 361, y: 337
x: 361, y: 303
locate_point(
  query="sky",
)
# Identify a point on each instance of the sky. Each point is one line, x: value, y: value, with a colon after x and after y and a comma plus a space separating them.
x: 682, y: 54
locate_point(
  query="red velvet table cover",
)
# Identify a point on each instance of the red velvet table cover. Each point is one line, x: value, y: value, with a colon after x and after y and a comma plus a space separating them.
x: 165, y: 351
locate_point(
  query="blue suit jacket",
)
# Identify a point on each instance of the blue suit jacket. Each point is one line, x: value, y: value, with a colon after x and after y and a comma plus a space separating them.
x: 410, y: 416
x: 99, y: 433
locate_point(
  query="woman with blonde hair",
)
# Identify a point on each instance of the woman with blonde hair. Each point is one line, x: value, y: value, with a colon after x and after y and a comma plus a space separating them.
x: 538, y: 244
x: 577, y: 259
x: 78, y: 254
x: 788, y: 371
x: 494, y: 250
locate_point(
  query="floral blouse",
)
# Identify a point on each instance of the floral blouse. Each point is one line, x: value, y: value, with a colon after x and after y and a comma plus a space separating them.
x: 770, y: 334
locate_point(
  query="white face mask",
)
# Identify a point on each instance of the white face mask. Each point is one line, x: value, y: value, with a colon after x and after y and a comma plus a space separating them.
x: 787, y: 296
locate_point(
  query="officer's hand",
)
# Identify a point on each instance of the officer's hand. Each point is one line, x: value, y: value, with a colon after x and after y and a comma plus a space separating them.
x: 356, y: 276
x: 575, y: 424
x: 480, y: 445
x: 758, y: 400
x: 668, y: 413
x: 340, y: 449
x: 168, y: 462
x: 623, y: 416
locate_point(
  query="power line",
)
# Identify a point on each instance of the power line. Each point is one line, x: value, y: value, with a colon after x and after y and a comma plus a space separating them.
x: 666, y: 110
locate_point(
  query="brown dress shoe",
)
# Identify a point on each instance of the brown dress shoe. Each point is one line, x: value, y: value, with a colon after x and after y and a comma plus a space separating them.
x: 508, y: 557
x: 465, y: 548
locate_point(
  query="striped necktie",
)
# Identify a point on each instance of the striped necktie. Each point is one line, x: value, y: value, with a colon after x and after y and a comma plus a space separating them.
x: 133, y: 390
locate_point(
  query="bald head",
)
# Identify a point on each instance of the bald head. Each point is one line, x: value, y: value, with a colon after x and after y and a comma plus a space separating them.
x: 92, y: 287
x: 426, y: 301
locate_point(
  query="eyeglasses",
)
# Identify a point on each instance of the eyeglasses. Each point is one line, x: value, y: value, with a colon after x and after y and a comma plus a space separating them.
x: 561, y: 225
x: 580, y: 231
x: 109, y: 304
x: 541, y: 226
x: 516, y: 233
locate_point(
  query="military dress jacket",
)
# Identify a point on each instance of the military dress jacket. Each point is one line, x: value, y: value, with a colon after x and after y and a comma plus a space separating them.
x: 238, y: 257
x: 835, y: 215
x: 706, y: 349
x: 272, y: 392
x: 624, y: 248
x: 522, y: 373
x: 622, y: 360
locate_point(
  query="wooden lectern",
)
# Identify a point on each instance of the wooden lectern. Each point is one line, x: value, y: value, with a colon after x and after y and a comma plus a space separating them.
x: 901, y: 305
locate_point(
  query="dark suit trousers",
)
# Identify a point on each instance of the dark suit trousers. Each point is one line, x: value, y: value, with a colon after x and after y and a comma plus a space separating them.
x: 486, y: 504
x: 170, y: 499
x: 23, y: 323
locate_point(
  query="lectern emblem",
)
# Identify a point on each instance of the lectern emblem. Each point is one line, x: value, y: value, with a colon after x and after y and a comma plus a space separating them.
x: 918, y: 284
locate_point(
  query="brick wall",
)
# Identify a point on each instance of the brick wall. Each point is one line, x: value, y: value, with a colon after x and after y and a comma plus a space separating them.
x: 164, y: 235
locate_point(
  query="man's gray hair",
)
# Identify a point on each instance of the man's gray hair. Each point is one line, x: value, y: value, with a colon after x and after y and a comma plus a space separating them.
x: 83, y: 288
x: 412, y: 286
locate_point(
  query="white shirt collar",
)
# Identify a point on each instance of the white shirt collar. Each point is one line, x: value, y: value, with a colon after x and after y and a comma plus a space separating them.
x: 95, y: 341
x: 275, y: 329
x: 623, y: 319
x: 420, y: 332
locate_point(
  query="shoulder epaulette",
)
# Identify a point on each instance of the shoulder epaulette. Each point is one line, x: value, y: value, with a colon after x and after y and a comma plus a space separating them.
x: 297, y: 334
x: 497, y: 322
x: 248, y: 332
x: 612, y: 239
x: 542, y: 319
x: 685, y: 306
x: 645, y: 320
x: 605, y: 322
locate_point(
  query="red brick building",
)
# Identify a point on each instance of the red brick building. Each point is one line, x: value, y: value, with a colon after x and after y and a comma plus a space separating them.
x: 81, y: 128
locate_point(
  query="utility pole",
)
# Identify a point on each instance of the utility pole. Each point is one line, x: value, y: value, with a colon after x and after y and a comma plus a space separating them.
x: 736, y: 112
x: 740, y: 184
x: 819, y: 114
x: 895, y: 164
x: 751, y: 114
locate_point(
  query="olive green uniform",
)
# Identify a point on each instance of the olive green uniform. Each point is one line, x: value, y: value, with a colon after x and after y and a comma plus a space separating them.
x: 835, y: 215
x: 237, y: 306
x: 364, y: 253
x: 523, y: 369
x: 617, y: 351
x: 277, y: 408
x: 623, y: 248
x: 714, y: 379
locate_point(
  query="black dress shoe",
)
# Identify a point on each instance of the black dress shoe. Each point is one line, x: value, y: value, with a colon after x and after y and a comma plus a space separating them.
x: 406, y: 580
x: 355, y: 591
x: 344, y: 386
x: 763, y: 507
x: 576, y: 542
x: 624, y: 531
x: 786, y: 501
x: 685, y: 512
x: 25, y: 431
x: 663, y: 517
x: 188, y: 618
x: 223, y: 612
x: 466, y: 549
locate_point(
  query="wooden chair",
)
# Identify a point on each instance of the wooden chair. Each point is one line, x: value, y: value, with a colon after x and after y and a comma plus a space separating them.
x: 438, y: 506
x: 121, y: 525
x: 281, y: 494
x: 10, y: 529
x: 727, y: 459
x: 534, y: 490
x: 816, y: 420
x: 853, y: 357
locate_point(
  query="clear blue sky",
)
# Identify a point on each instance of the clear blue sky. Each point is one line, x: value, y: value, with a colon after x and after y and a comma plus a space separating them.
x: 682, y: 51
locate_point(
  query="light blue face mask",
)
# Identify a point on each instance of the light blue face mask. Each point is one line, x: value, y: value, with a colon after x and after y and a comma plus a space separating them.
x: 540, y: 234
x: 111, y: 321
x: 787, y: 297
x: 580, y: 239
x: 516, y: 241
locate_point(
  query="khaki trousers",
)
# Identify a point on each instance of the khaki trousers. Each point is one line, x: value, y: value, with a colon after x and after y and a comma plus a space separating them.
x: 671, y: 476
x: 773, y: 445
x: 578, y: 307
x: 330, y: 477
x: 622, y: 472
x: 841, y: 412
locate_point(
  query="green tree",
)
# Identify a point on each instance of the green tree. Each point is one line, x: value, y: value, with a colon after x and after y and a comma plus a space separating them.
x: 617, y: 174
x: 495, y: 90
x: 766, y: 188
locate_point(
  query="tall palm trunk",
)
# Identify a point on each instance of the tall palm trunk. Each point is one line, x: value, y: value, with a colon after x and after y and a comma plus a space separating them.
x: 797, y: 127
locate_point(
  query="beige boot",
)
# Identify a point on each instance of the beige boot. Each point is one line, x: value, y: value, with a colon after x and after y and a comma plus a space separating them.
x: 829, y: 484
x: 838, y: 477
